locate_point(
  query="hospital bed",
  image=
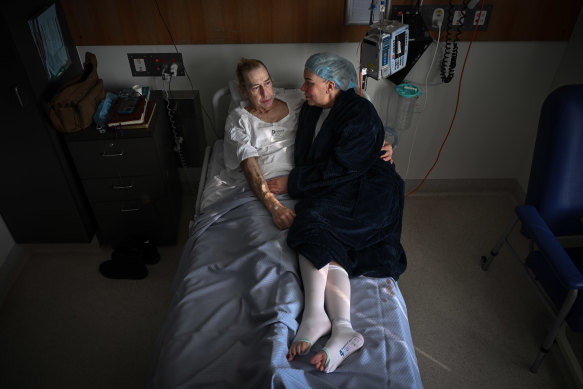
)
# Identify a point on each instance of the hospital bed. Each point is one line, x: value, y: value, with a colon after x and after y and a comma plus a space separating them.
x: 238, y: 298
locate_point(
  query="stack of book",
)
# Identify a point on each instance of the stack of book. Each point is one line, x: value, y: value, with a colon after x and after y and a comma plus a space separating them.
x: 139, y: 117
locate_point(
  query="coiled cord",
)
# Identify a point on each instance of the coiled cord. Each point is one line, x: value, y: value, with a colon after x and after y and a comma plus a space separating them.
x: 449, y: 61
x: 177, y: 138
x: 455, y: 111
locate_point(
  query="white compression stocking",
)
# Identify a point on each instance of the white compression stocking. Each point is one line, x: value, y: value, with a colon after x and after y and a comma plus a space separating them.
x: 315, y: 322
x: 344, y: 340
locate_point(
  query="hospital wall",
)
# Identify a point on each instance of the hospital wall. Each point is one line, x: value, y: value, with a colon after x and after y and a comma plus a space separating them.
x: 503, y: 87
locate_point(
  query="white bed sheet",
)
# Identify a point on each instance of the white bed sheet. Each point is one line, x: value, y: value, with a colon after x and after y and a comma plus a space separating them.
x: 237, y: 302
x: 217, y: 186
x: 238, y: 299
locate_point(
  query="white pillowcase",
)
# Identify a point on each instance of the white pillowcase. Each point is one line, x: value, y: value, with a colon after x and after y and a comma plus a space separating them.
x: 236, y: 96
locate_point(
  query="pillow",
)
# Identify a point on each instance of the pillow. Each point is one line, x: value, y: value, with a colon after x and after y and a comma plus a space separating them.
x: 236, y: 96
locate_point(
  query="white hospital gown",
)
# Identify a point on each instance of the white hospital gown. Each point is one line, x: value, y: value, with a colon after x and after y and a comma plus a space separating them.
x: 272, y: 143
x: 247, y: 136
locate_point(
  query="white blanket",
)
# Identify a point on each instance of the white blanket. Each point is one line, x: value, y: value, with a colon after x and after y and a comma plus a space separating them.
x: 237, y: 302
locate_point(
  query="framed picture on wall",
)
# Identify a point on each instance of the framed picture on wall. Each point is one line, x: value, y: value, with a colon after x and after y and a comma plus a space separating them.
x: 358, y: 12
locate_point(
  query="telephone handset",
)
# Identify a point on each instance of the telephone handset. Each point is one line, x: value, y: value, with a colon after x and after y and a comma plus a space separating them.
x: 449, y: 60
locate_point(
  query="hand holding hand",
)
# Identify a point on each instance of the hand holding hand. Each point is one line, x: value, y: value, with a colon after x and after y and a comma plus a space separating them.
x: 278, y: 185
x: 388, y: 152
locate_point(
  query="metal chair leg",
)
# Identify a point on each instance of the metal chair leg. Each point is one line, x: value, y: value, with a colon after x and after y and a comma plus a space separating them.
x: 556, y: 326
x: 573, y: 364
x: 486, y: 261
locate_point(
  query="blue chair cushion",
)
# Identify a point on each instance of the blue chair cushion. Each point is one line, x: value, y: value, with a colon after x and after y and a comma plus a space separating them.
x: 535, y: 228
x: 547, y: 277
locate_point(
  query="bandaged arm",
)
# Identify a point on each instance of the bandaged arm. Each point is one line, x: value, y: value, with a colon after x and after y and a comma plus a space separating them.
x: 282, y: 215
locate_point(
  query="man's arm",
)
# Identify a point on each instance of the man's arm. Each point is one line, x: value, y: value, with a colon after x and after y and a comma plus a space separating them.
x: 282, y: 215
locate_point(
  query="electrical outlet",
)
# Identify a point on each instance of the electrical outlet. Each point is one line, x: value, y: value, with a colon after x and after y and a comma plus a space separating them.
x: 429, y: 13
x: 458, y: 18
x: 139, y: 65
x: 154, y: 64
x: 482, y: 17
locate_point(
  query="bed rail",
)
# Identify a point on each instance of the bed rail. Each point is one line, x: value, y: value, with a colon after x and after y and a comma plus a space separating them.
x: 220, y: 116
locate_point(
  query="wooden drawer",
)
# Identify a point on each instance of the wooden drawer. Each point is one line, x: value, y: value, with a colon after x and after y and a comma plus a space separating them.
x: 121, y: 220
x: 118, y: 157
x: 144, y: 188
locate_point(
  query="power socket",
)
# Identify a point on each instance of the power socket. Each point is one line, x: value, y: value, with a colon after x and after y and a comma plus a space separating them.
x: 482, y: 15
x: 155, y: 64
x: 430, y: 17
x: 458, y: 18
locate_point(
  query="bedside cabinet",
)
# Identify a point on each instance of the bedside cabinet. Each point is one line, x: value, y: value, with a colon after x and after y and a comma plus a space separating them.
x: 131, y: 179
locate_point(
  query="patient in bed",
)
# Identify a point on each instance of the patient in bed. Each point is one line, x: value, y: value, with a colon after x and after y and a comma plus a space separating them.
x: 260, y: 134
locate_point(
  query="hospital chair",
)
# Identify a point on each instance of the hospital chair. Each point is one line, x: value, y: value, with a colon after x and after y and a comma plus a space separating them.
x: 552, y: 216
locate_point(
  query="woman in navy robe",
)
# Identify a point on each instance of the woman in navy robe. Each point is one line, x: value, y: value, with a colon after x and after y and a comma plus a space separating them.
x: 349, y: 213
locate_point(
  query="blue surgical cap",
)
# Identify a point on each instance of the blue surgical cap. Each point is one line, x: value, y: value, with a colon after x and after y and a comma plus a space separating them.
x: 332, y: 67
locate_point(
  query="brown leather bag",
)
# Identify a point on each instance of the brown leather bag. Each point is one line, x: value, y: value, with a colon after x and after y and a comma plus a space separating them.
x: 73, y: 107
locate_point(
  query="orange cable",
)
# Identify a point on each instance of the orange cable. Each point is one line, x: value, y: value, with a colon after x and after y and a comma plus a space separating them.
x: 456, y: 108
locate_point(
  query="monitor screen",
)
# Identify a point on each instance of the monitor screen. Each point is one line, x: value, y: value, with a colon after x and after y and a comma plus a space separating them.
x: 46, y: 31
x: 400, y: 42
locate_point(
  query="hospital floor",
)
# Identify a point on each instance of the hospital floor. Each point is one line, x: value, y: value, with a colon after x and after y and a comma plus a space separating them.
x: 63, y: 325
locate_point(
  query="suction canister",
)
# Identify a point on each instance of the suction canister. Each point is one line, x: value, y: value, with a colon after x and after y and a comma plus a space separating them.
x: 407, y: 96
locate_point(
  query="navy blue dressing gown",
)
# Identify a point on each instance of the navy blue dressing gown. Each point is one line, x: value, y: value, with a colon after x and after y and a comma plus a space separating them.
x: 350, y: 204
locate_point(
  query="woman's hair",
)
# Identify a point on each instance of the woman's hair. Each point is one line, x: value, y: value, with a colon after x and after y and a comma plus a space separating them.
x: 245, y: 65
x: 332, y: 67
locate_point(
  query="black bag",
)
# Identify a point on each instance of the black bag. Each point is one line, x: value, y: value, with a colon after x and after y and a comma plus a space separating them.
x: 73, y: 107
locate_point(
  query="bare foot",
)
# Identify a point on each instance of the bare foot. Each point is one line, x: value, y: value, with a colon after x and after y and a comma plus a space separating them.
x: 297, y: 348
x: 319, y: 360
x: 343, y: 342
x: 312, y: 328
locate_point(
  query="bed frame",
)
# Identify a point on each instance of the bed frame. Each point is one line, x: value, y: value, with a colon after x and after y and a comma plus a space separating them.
x: 238, y: 298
